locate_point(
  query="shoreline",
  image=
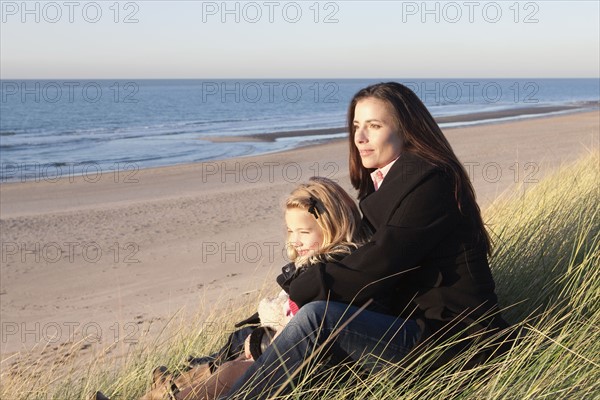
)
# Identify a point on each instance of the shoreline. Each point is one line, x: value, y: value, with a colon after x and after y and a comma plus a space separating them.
x: 480, y: 118
x: 313, y: 137
x: 227, y: 168
x: 111, y: 253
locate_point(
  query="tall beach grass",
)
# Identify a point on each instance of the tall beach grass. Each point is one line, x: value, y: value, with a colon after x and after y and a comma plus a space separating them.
x: 545, y: 263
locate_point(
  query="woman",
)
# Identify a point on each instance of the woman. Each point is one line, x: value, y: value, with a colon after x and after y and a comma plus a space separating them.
x: 425, y: 268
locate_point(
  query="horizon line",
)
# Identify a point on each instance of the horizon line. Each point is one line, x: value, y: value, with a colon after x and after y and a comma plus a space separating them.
x: 305, y: 78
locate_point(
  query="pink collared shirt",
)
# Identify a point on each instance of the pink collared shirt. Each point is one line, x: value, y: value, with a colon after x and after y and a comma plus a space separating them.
x: 379, y: 174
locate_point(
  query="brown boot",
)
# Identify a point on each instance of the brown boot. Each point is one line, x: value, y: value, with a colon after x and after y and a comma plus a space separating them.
x: 161, y: 385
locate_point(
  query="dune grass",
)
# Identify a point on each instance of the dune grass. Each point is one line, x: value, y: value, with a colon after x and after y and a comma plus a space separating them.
x: 545, y: 262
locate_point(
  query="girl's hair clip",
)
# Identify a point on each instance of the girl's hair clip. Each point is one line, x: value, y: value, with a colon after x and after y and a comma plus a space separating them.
x: 313, y: 207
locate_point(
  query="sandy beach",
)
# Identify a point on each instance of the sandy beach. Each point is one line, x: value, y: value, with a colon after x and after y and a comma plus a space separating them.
x: 106, y: 253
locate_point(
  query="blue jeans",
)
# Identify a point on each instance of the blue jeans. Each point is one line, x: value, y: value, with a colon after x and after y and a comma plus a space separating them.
x: 368, y: 338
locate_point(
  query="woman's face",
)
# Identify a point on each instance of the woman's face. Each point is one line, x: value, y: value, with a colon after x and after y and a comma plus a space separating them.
x: 375, y: 133
x: 304, y: 233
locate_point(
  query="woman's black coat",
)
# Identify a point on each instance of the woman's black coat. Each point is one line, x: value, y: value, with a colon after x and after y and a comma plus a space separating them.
x: 424, y: 261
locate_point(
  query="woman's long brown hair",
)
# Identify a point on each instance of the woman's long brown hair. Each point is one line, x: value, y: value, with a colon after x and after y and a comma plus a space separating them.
x: 420, y: 135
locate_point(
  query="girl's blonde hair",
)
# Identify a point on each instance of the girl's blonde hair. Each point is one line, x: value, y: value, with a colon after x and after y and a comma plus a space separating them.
x: 335, y: 212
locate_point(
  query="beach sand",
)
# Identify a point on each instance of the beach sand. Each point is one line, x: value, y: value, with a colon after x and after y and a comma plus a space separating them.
x: 104, y: 255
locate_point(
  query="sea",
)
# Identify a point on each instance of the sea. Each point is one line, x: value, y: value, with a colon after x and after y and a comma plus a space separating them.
x: 56, y: 124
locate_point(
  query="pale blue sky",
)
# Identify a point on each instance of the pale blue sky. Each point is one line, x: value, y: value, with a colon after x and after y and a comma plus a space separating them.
x: 396, y: 39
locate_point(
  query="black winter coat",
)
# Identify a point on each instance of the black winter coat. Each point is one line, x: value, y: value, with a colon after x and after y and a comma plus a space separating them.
x: 424, y: 260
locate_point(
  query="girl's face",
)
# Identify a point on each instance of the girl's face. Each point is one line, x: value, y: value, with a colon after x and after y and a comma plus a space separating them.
x: 375, y: 134
x: 304, y: 233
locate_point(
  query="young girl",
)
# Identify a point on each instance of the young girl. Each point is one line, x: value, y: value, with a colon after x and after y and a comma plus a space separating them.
x: 323, y: 225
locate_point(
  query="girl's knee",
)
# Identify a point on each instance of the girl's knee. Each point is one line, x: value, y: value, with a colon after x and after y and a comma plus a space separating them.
x: 319, y: 315
x: 313, y: 308
x: 308, y: 317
